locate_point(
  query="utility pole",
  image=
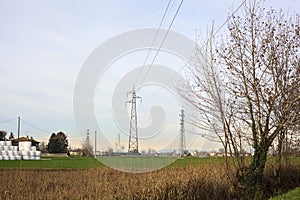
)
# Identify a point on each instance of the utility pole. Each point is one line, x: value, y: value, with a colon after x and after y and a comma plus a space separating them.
x: 133, y: 146
x: 119, y: 143
x: 95, y: 144
x: 19, y: 119
x: 182, y: 134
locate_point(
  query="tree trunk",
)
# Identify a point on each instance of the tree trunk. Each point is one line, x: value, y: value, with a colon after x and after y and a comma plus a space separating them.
x: 252, y: 181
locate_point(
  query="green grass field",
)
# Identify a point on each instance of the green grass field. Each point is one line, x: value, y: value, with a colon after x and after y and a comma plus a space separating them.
x: 52, y: 163
x: 291, y: 195
x: 89, y: 162
x: 136, y: 164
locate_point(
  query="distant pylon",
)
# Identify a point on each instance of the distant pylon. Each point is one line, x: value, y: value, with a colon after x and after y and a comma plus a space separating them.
x: 118, y: 143
x: 182, y: 134
x: 133, y: 146
x: 95, y: 154
x: 87, y: 140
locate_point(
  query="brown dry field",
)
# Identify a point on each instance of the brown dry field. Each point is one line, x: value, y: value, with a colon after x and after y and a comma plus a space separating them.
x: 205, y: 181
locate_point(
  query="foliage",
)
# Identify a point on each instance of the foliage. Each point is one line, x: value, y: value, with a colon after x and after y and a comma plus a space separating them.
x: 58, y: 143
x: 2, y: 135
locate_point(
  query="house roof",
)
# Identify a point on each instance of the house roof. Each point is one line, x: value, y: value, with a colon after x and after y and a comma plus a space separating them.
x: 25, y: 139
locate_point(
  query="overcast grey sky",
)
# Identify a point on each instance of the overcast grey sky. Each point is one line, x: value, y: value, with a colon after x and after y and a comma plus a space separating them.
x: 43, y: 45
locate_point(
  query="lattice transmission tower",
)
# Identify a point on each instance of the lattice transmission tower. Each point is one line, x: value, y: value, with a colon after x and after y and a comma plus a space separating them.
x: 182, y: 134
x: 87, y: 140
x: 133, y: 146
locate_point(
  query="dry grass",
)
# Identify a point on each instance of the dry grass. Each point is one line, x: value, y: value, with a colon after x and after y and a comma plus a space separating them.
x: 204, y: 182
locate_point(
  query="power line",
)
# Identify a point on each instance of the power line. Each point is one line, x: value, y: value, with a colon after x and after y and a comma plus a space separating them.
x: 206, y: 136
x: 9, y: 120
x: 151, y: 47
x: 32, y: 125
x: 199, y: 50
x: 164, y: 38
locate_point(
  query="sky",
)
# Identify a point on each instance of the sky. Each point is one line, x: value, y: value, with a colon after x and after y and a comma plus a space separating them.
x: 44, y: 44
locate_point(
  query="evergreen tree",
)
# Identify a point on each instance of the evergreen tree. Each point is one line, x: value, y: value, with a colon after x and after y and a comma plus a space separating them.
x: 58, y: 143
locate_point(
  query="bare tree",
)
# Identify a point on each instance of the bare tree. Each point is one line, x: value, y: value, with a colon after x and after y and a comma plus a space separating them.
x: 261, y: 55
x: 87, y: 149
x: 204, y: 92
x: 252, y: 96
x: 43, y: 147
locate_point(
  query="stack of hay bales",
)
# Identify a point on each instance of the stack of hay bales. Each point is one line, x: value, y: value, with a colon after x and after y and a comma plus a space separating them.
x: 29, y: 152
x: 9, y: 152
x: 26, y: 151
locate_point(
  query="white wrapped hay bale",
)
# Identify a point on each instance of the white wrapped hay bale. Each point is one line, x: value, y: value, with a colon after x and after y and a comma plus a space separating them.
x: 6, y: 157
x: 1, y: 157
x: 25, y: 153
x: 16, y: 153
x: 26, y: 157
x: 2, y: 143
x: 12, y: 157
x: 5, y: 148
x: 8, y: 143
x: 18, y: 157
x: 25, y: 144
x: 38, y: 153
x: 26, y: 149
x: 33, y: 148
x: 14, y: 148
x: 31, y: 153
x: 3, y: 152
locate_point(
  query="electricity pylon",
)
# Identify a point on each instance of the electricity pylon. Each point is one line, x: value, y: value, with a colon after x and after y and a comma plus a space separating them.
x: 133, y: 146
x: 87, y: 140
x: 182, y: 134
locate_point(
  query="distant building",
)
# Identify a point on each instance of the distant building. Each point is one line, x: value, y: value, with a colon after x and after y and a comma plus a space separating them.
x: 35, y: 143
